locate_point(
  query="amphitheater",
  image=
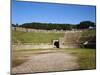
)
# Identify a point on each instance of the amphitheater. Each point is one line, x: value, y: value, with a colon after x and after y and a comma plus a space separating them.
x: 69, y: 40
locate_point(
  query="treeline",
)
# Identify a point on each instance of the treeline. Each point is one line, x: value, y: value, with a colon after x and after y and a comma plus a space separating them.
x: 50, y: 26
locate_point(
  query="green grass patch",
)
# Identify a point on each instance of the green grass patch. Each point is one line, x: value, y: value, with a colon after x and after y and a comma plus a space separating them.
x: 86, y: 57
x: 35, y: 37
x: 87, y: 35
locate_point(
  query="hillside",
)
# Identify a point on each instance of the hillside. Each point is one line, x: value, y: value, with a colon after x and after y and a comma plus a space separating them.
x: 35, y: 37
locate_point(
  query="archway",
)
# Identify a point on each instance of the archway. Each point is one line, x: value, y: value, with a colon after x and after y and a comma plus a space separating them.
x: 56, y: 44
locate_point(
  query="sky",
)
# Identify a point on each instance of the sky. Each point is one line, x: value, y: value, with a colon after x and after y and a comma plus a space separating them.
x: 27, y: 12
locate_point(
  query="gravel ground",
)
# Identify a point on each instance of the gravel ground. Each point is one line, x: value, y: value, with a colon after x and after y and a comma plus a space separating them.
x: 47, y: 62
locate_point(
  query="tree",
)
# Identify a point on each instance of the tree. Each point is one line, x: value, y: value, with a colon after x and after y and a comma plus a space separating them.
x: 17, y: 25
x: 85, y: 24
x: 13, y: 25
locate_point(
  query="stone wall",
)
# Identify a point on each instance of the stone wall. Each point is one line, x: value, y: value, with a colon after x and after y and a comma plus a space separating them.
x: 31, y: 46
x: 70, y: 40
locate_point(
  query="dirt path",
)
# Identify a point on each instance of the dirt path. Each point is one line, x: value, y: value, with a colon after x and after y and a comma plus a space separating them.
x: 53, y: 61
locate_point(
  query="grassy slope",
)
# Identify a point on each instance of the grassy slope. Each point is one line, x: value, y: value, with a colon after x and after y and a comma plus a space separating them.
x: 87, y: 57
x: 87, y: 35
x: 41, y: 37
x: 34, y: 37
x: 89, y: 32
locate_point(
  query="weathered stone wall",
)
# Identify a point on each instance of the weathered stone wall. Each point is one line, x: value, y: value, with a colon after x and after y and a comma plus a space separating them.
x: 37, y: 30
x: 70, y: 39
x: 31, y: 46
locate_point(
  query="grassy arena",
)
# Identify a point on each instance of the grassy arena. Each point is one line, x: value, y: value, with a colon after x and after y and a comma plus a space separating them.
x: 86, y: 57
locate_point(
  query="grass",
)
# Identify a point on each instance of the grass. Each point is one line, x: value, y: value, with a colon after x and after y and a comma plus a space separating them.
x: 86, y: 57
x: 34, y: 37
x: 87, y: 35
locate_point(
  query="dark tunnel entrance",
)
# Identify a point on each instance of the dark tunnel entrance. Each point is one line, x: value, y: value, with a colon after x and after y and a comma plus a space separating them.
x: 56, y: 43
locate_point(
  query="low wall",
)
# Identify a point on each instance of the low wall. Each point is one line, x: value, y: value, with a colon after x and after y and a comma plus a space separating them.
x: 40, y: 46
x: 19, y: 47
x: 70, y: 46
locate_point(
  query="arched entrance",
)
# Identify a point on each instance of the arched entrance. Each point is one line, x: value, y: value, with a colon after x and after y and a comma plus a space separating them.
x: 56, y: 43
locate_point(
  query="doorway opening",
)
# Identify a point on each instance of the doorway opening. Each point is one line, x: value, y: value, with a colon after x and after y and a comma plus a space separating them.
x: 56, y: 43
